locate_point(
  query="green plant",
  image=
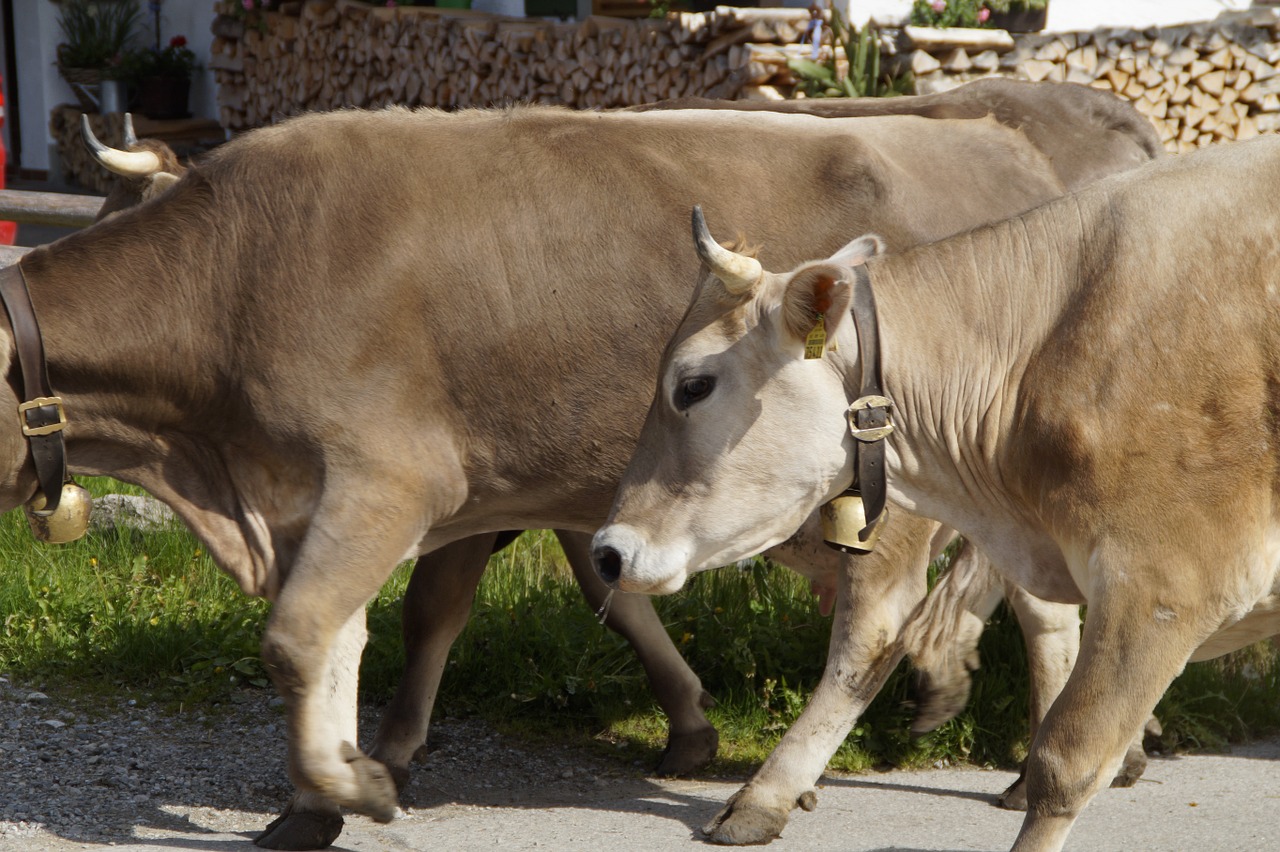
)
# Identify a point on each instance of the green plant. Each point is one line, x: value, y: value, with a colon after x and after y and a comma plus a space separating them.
x: 149, y: 612
x: 176, y: 60
x: 96, y: 31
x: 966, y: 13
x: 862, y: 56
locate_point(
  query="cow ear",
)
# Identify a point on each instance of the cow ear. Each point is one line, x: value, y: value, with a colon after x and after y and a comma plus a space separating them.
x: 160, y: 181
x: 859, y: 251
x: 820, y: 289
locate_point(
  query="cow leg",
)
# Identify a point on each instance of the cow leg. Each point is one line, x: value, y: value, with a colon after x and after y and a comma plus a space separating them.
x: 323, y: 591
x: 692, y: 740
x: 942, y: 640
x: 309, y: 820
x: 1052, y: 635
x: 1138, y: 636
x: 435, y: 611
x: 874, y: 596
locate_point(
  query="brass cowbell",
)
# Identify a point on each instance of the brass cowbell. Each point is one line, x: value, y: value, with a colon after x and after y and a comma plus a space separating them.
x: 843, y: 519
x: 68, y: 522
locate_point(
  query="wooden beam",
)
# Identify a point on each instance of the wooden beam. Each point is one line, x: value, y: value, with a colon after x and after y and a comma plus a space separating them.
x: 49, y: 208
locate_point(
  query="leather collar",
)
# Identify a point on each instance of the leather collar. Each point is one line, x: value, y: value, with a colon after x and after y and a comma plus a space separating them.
x: 868, y: 417
x: 40, y: 412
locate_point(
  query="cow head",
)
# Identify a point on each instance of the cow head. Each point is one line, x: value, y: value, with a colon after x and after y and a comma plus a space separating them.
x: 746, y: 436
x: 146, y: 168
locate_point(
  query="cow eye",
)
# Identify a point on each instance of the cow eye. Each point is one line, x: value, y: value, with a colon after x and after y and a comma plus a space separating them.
x: 693, y: 390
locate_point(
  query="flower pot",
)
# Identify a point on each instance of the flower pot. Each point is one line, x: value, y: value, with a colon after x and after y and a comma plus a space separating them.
x: 163, y: 97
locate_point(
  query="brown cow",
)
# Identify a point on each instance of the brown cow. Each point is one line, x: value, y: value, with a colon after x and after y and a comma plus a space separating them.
x: 412, y: 444
x: 1086, y: 433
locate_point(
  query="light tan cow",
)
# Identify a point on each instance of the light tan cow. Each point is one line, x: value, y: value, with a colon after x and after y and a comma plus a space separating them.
x: 385, y: 333
x: 1099, y: 413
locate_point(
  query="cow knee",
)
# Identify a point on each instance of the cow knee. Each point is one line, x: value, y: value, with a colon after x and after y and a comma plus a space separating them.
x: 1057, y: 784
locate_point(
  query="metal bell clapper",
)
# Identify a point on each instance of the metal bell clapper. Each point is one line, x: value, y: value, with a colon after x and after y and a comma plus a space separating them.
x: 68, y: 522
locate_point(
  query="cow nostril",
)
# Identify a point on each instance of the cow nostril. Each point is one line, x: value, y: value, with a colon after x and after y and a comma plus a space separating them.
x: 608, y: 562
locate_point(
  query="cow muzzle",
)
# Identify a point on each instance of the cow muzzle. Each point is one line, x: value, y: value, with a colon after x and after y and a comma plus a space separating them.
x: 67, y: 522
x: 628, y: 562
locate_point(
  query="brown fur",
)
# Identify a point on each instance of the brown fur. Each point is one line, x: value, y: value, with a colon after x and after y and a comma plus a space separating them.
x: 301, y: 368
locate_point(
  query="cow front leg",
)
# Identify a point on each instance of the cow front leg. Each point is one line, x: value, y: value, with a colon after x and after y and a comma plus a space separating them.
x: 691, y: 740
x: 325, y: 587
x: 309, y: 820
x: 1135, y: 642
x: 1051, y: 632
x: 942, y: 639
x: 435, y: 610
x: 874, y: 596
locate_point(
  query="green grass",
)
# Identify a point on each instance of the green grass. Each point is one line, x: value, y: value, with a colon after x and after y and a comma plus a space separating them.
x: 148, y: 613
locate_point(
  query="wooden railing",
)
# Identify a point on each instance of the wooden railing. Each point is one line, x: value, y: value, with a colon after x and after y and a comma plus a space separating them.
x: 44, y: 208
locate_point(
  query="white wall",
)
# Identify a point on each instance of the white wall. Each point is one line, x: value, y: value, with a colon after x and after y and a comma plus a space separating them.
x: 40, y: 89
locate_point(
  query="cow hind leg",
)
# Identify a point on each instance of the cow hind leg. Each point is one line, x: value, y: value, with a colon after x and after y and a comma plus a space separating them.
x: 435, y: 611
x: 309, y: 820
x: 692, y: 740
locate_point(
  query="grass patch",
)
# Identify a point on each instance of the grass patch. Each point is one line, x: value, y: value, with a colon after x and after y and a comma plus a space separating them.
x: 150, y: 613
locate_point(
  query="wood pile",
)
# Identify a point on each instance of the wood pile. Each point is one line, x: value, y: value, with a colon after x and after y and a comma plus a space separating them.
x: 1199, y: 83
x: 326, y: 54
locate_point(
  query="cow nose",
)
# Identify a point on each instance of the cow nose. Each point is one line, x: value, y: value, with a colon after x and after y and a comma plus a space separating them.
x: 608, y: 562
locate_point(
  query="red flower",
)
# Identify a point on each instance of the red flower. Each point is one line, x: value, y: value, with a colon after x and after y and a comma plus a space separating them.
x: 178, y: 41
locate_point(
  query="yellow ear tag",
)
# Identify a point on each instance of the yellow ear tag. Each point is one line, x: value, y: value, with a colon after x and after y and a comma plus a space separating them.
x: 816, y: 342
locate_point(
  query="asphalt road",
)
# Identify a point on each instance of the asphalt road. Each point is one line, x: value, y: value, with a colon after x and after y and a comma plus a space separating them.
x: 1201, y: 802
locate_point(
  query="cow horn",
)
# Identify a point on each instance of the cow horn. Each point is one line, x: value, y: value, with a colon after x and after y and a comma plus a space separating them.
x: 125, y: 163
x: 737, y: 272
x: 130, y: 138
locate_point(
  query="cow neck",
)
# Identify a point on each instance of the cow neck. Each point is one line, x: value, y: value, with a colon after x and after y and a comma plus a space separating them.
x: 40, y: 411
x: 961, y: 320
x: 869, y: 414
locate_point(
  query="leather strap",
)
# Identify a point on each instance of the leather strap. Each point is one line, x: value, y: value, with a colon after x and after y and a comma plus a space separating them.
x: 40, y: 414
x: 872, y: 417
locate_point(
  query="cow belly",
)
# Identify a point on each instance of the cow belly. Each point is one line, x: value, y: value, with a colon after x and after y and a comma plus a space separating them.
x: 1262, y: 622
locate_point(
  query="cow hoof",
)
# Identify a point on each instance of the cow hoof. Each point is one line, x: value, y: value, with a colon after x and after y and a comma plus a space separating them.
x: 377, y: 799
x: 939, y: 698
x: 1015, y: 798
x: 399, y: 776
x: 742, y: 823
x: 687, y: 753
x: 297, y: 829
x: 1135, y: 763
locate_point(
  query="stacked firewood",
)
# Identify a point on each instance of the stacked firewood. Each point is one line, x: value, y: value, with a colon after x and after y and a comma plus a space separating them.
x: 1199, y: 84
x: 325, y: 54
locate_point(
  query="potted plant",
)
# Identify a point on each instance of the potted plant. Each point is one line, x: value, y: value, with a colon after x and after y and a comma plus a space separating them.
x: 1018, y: 16
x: 161, y: 78
x: 95, y: 33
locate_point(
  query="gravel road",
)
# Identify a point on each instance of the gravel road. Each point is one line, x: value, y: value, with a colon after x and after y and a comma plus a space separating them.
x: 83, y: 774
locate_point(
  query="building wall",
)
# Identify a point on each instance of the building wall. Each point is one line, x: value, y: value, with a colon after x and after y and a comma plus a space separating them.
x: 40, y: 89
